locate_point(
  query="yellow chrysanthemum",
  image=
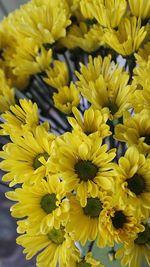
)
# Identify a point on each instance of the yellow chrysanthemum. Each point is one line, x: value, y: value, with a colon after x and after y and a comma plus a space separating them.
x: 141, y: 99
x: 141, y: 74
x: 87, y: 261
x: 52, y: 248
x: 25, y: 158
x: 57, y: 75
x: 84, y: 164
x: 143, y: 55
x: 7, y: 97
x: 135, y: 130
x: 88, y: 39
x: 20, y: 118
x: 30, y: 58
x: 133, y: 181
x: 140, y: 8
x: 105, y: 85
x: 107, y: 13
x: 93, y: 122
x: 91, y: 218
x: 133, y: 251
x: 67, y: 98
x: 42, y: 203
x: 128, y: 38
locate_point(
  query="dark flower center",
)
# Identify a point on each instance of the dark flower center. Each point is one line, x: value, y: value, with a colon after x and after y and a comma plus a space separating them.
x: 93, y: 207
x: 85, y: 170
x: 147, y: 139
x: 57, y: 235
x: 143, y: 237
x: 136, y: 184
x: 48, y: 203
x: 112, y: 107
x: 119, y: 219
x: 37, y: 163
x: 83, y: 264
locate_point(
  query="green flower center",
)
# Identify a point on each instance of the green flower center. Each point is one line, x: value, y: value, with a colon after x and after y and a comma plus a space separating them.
x: 85, y: 170
x: 143, y: 237
x: 83, y: 264
x: 112, y: 107
x: 57, y: 236
x: 37, y: 163
x: 136, y: 184
x: 119, y: 219
x: 93, y: 207
x: 48, y: 203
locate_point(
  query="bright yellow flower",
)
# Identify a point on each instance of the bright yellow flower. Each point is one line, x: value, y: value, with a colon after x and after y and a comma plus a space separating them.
x: 66, y: 98
x: 25, y: 158
x: 135, y: 130
x: 87, y: 261
x: 42, y: 203
x: 93, y: 122
x: 52, y: 248
x: 133, y: 251
x: 57, y: 75
x: 141, y: 73
x: 103, y: 84
x: 107, y: 13
x: 7, y: 97
x: 128, y: 38
x: 84, y: 164
x: 133, y: 181
x: 20, y: 118
x: 140, y: 8
x: 141, y: 99
x: 143, y: 55
x: 30, y: 58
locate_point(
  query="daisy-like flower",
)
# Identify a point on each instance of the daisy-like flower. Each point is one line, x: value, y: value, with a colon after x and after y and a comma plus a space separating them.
x: 6, y: 93
x: 54, y: 247
x: 107, y: 13
x: 103, y: 84
x: 66, y: 98
x: 91, y: 218
x: 128, y: 38
x: 141, y: 99
x: 93, y: 122
x: 143, y: 55
x: 140, y: 8
x: 134, y: 250
x: 87, y: 261
x: 20, y: 118
x: 25, y: 158
x: 42, y: 203
x: 57, y: 75
x: 133, y: 181
x: 84, y: 164
x: 135, y: 130
x: 141, y: 74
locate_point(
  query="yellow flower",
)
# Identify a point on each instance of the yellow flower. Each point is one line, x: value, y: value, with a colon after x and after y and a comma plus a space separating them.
x: 141, y: 99
x: 128, y: 38
x: 42, y: 203
x: 93, y: 122
x: 140, y: 8
x: 25, y: 158
x: 133, y: 181
x: 84, y: 164
x: 133, y: 251
x: 87, y: 261
x: 66, y: 98
x: 7, y: 97
x: 103, y: 84
x: 90, y: 217
x: 20, y: 118
x: 52, y: 248
x: 107, y: 13
x: 30, y: 58
x: 135, y: 130
x: 57, y: 75
x: 141, y: 74
x: 143, y: 55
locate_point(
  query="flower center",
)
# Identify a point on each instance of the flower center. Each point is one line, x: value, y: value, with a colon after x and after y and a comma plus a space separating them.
x: 143, y: 237
x: 93, y: 207
x: 37, y: 163
x: 147, y: 139
x: 57, y: 235
x: 119, y: 219
x: 112, y: 107
x: 83, y: 264
x: 136, y: 184
x: 85, y: 170
x: 48, y: 203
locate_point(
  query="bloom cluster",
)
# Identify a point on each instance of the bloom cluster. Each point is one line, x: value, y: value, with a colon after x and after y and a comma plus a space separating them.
x: 78, y: 154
